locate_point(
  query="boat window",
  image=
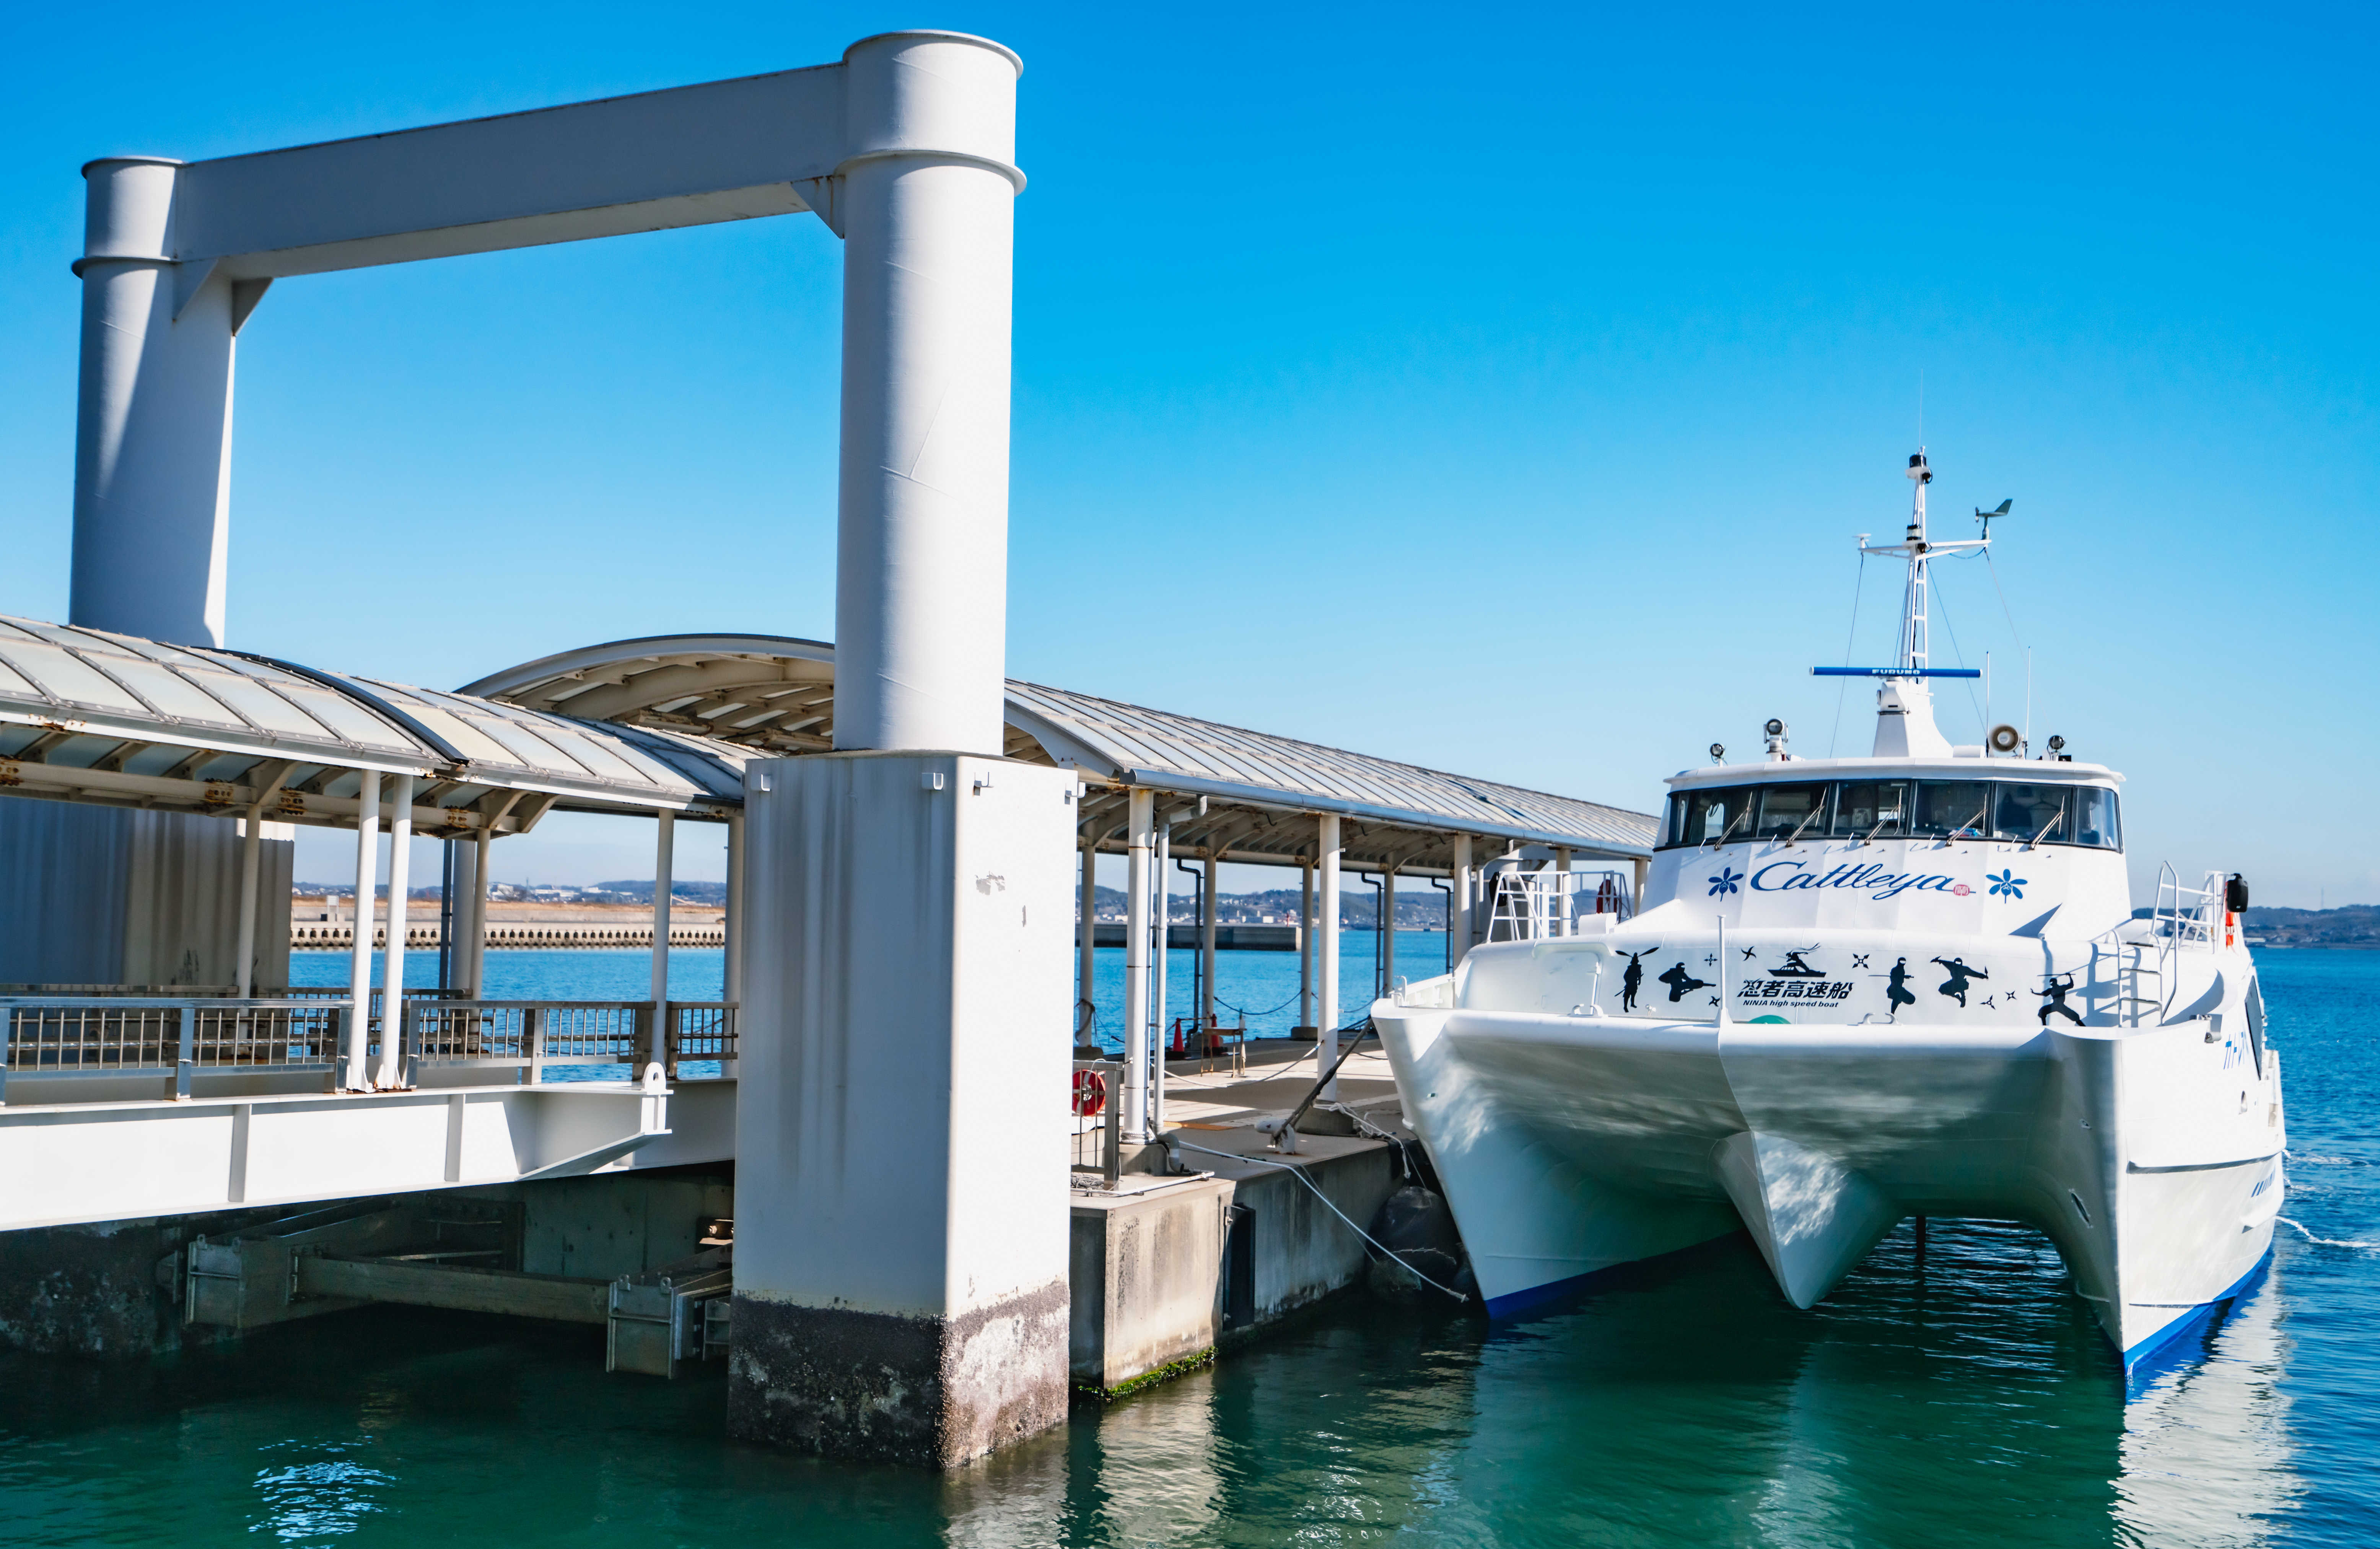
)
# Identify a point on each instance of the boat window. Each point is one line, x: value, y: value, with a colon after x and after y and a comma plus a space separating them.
x: 2255, y: 1010
x: 1703, y: 815
x: 2094, y: 818
x: 1953, y: 809
x: 2009, y: 811
x: 1861, y: 805
x: 2030, y: 813
x: 1788, y: 809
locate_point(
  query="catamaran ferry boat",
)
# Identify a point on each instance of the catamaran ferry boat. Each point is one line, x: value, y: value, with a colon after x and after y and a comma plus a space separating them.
x: 1855, y: 990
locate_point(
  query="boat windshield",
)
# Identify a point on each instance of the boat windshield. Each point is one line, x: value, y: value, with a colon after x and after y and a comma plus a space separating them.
x: 2019, y: 811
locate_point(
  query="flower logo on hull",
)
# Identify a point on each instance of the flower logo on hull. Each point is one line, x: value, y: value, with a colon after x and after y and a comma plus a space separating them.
x: 1725, y: 882
x: 2006, y: 882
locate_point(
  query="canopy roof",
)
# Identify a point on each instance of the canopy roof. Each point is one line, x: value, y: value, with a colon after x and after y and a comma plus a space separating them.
x: 775, y: 694
x: 93, y: 716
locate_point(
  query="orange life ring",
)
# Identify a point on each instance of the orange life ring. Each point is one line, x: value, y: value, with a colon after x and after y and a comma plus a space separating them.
x: 1090, y: 1094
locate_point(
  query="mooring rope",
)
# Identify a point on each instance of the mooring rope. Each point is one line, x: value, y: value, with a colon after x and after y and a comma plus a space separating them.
x: 1299, y: 1173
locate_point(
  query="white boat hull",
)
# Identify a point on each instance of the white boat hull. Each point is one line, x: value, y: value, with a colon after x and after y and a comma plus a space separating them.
x: 1572, y: 1144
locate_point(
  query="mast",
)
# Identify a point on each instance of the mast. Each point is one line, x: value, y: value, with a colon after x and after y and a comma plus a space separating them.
x: 1913, y: 617
x: 1905, y: 706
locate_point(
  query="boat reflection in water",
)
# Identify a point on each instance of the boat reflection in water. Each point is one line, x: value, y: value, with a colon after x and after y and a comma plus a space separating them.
x: 1965, y: 1405
x: 1947, y: 1398
x: 2208, y: 1457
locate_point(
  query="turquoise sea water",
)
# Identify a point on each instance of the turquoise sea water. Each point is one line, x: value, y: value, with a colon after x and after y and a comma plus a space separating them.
x: 1261, y: 985
x: 1973, y: 1404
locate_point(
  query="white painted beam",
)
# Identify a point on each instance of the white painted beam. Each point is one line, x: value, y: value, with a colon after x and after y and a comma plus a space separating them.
x: 690, y: 155
x: 80, y: 1162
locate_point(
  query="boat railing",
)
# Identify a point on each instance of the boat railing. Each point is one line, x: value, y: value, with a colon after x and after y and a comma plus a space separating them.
x: 1542, y: 905
x: 2141, y: 957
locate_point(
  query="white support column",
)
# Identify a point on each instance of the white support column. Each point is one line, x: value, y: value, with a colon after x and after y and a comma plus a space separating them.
x: 1207, y: 952
x: 359, y: 957
x: 1565, y: 923
x: 731, y: 980
x: 1389, y: 930
x: 251, y: 860
x: 1140, y: 811
x: 1460, y: 920
x: 1305, y: 940
x: 1327, y: 920
x: 664, y: 857
x: 392, y: 962
x: 901, y: 1264
x: 153, y: 418
x: 1644, y: 868
x: 475, y: 933
x: 925, y: 199
x: 1162, y: 869
x: 1086, y: 961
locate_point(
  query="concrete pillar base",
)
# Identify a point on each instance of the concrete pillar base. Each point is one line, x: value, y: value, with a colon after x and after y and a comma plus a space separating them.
x: 902, y: 1152
x: 935, y: 1392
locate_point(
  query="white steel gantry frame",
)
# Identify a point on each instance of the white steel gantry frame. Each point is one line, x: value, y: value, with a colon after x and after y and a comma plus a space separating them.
x: 905, y: 149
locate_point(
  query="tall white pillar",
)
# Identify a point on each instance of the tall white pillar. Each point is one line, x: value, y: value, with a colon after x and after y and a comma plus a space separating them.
x: 1644, y: 870
x: 359, y: 957
x: 901, y: 1241
x: 251, y: 861
x: 927, y: 187
x: 731, y: 979
x: 1305, y: 940
x: 1206, y: 951
x: 1388, y: 929
x: 1326, y: 922
x: 1162, y: 1014
x: 664, y: 862
x: 1459, y: 920
x: 152, y: 416
x: 1085, y: 949
x: 1563, y: 922
x: 392, y: 962
x: 475, y: 934
x: 1140, y: 812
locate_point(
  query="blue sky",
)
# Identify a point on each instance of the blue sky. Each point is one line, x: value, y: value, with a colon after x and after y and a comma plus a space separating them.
x: 1494, y: 389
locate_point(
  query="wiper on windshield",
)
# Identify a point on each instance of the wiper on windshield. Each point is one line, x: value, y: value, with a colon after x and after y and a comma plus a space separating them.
x: 1724, y: 834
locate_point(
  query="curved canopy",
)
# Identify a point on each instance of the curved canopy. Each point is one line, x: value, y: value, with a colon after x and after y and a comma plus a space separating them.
x: 775, y: 694
x: 97, y: 715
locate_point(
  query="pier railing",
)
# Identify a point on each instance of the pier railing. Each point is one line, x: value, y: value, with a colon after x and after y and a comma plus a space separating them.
x: 1097, y: 1100
x: 49, y: 1039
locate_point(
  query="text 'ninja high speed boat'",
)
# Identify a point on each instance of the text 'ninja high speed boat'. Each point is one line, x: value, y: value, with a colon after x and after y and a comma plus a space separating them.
x: 1858, y: 989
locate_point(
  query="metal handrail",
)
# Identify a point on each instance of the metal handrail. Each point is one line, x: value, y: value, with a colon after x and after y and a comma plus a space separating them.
x: 168, y: 1036
x: 1535, y: 905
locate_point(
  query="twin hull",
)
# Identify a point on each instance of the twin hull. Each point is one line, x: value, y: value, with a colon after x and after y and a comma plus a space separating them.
x: 1571, y: 1140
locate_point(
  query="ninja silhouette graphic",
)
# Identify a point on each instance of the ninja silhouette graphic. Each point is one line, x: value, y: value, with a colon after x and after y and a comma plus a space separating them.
x: 2056, y: 988
x: 1961, y: 974
x: 1682, y: 984
x: 1896, y: 994
x: 1633, y: 981
x: 1795, y: 968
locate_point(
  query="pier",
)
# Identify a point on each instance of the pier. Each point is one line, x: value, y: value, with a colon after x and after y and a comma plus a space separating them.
x: 859, y: 1175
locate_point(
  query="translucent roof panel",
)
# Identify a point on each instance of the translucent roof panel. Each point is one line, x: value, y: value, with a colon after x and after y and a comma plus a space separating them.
x: 135, y: 711
x: 773, y: 696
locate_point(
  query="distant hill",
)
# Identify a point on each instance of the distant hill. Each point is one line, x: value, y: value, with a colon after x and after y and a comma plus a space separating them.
x: 2351, y: 926
x: 1419, y: 905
